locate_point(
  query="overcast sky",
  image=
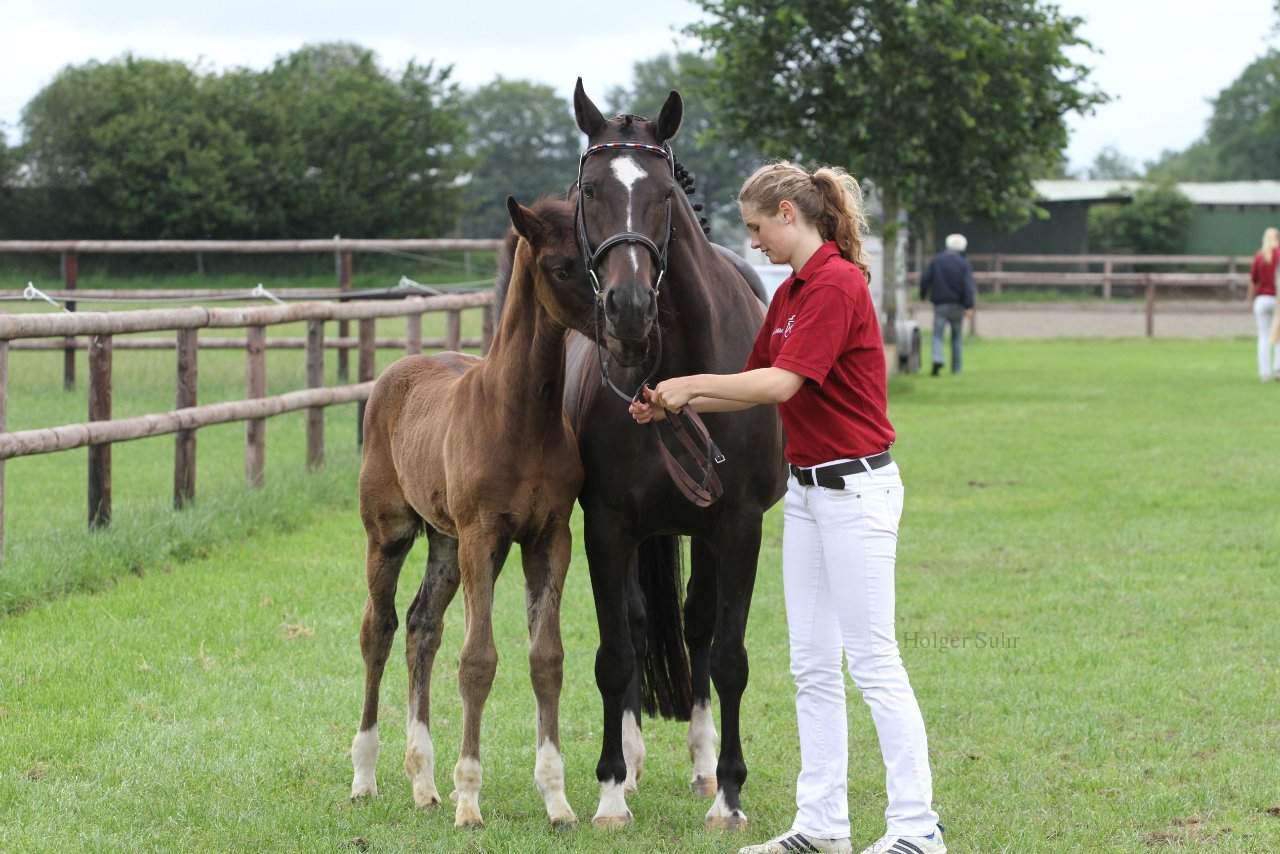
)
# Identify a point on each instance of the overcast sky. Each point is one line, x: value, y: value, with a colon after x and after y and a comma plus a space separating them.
x: 1161, y: 61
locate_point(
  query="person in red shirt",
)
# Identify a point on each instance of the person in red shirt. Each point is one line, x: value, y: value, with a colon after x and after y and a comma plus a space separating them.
x: 1262, y: 297
x: 820, y: 358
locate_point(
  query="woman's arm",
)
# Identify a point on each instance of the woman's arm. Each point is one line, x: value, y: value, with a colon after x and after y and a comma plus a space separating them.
x: 718, y: 392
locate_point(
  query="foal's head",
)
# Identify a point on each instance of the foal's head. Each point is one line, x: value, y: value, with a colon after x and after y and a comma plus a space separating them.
x: 553, y: 260
x: 627, y: 194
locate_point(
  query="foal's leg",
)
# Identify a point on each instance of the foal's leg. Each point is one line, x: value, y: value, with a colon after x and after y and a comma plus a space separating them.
x: 545, y: 568
x: 699, y: 629
x: 737, y: 551
x: 389, y: 540
x: 424, y: 627
x: 480, y: 559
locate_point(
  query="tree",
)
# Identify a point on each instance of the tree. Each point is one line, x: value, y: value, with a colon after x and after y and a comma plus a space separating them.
x: 1156, y: 222
x: 1240, y: 140
x: 132, y: 143
x: 946, y: 106
x: 719, y: 162
x: 1111, y: 165
x: 523, y: 143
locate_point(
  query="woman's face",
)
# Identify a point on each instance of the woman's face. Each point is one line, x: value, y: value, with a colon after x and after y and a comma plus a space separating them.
x: 770, y: 234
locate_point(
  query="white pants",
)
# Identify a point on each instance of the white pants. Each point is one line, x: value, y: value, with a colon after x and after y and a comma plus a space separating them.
x: 1264, y: 310
x: 838, y: 553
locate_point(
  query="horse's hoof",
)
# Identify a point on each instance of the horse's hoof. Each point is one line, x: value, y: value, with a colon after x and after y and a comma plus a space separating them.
x: 564, y: 825
x: 736, y: 821
x: 453, y: 796
x: 704, y: 787
x: 612, y: 822
x: 363, y: 789
x: 468, y: 817
x: 630, y: 787
x: 425, y: 797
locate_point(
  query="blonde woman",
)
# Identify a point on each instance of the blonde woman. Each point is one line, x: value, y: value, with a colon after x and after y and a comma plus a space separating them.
x: 1262, y: 296
x: 820, y: 358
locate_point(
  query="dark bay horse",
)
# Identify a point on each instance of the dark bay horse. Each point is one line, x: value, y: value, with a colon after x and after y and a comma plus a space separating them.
x: 668, y: 303
x: 478, y: 454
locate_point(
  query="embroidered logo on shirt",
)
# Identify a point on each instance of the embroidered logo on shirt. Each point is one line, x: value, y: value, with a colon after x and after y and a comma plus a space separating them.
x: 791, y: 321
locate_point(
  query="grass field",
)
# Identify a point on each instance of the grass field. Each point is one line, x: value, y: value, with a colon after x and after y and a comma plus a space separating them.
x: 1087, y: 607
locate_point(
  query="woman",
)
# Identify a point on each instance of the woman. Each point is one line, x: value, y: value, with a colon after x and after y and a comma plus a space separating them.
x: 820, y: 358
x: 1262, y: 294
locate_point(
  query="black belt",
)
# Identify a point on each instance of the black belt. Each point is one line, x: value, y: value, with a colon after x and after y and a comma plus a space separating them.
x: 832, y: 476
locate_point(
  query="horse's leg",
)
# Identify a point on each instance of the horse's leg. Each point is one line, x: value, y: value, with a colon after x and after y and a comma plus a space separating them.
x: 390, y: 537
x: 632, y: 736
x: 545, y: 568
x: 608, y: 554
x: 737, y: 550
x: 699, y: 629
x: 424, y: 626
x: 480, y: 558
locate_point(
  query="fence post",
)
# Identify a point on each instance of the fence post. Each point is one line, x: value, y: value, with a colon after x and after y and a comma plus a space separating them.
x: 1151, y: 306
x: 99, y: 410
x: 255, y: 430
x: 367, y: 368
x: 413, y: 334
x: 997, y: 266
x: 315, y: 379
x: 70, y: 268
x: 1231, y: 277
x: 344, y: 326
x: 4, y: 426
x: 453, y: 330
x: 486, y: 330
x: 184, y: 443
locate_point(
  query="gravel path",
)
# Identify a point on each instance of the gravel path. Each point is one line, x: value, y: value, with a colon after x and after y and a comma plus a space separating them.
x: 1114, y: 319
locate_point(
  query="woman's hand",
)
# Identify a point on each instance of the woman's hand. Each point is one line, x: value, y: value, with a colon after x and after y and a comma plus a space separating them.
x: 673, y: 394
x: 643, y: 412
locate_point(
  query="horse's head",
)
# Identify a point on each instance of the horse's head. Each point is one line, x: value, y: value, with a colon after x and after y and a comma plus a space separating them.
x: 559, y: 279
x: 625, y: 200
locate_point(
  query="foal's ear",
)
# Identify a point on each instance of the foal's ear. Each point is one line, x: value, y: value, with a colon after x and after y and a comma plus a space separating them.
x: 587, y: 115
x: 526, y: 222
x: 670, y: 117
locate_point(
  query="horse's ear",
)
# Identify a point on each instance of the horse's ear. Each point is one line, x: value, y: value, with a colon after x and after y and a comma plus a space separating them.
x: 587, y: 115
x: 526, y: 222
x: 670, y: 117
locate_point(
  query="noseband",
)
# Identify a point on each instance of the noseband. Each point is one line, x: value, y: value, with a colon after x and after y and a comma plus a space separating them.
x: 702, y: 492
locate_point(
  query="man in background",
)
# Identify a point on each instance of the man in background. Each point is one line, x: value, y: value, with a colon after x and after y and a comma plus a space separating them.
x: 948, y: 283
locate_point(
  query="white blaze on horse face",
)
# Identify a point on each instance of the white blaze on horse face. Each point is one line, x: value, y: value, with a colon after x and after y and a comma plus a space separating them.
x: 628, y: 172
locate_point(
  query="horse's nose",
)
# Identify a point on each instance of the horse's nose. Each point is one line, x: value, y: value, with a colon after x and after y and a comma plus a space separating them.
x: 630, y: 311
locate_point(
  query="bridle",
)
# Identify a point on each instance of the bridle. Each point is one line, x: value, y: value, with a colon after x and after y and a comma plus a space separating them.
x: 702, y: 492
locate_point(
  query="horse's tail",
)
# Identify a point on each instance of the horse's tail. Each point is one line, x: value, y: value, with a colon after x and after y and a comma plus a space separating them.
x: 666, y: 684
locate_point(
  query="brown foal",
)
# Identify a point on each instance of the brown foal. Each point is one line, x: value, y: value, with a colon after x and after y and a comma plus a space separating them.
x: 478, y: 454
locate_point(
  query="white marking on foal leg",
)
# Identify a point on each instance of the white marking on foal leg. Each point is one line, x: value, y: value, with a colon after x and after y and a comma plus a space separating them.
x: 612, y: 811
x: 703, y: 742
x: 548, y: 774
x: 364, y: 756
x: 467, y: 775
x: 632, y: 749
x: 720, y: 817
x: 420, y: 764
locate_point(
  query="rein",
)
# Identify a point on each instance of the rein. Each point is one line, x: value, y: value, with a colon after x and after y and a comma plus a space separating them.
x: 702, y: 492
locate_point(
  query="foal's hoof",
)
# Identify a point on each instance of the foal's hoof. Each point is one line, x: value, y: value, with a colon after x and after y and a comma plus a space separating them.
x: 734, y: 821
x: 425, y: 797
x: 564, y: 825
x: 363, y: 789
x: 704, y: 787
x: 612, y: 822
x: 468, y: 817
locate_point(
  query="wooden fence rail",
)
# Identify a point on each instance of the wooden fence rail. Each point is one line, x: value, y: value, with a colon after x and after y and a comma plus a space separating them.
x: 100, y: 431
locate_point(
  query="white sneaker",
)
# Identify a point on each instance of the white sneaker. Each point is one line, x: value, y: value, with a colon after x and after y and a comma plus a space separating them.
x: 795, y: 842
x: 894, y: 844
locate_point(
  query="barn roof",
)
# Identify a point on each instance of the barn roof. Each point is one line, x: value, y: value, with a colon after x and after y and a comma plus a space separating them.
x: 1202, y: 193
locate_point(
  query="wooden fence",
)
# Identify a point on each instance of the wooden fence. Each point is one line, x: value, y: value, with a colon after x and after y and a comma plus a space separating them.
x: 100, y: 431
x: 995, y: 271
x: 343, y: 250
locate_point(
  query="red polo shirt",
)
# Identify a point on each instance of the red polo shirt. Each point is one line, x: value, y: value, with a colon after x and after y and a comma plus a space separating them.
x: 822, y: 325
x: 1263, y: 273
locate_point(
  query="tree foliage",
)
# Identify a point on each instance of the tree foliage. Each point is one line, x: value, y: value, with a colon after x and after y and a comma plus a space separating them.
x: 1111, y: 165
x: 322, y: 143
x: 947, y: 106
x: 1156, y: 222
x: 719, y: 162
x: 1240, y: 142
x: 522, y: 142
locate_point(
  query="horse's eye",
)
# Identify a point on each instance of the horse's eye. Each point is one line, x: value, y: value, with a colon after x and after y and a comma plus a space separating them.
x: 561, y: 274
x: 588, y: 191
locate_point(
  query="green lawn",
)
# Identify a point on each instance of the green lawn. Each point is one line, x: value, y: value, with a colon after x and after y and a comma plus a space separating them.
x: 1087, y: 587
